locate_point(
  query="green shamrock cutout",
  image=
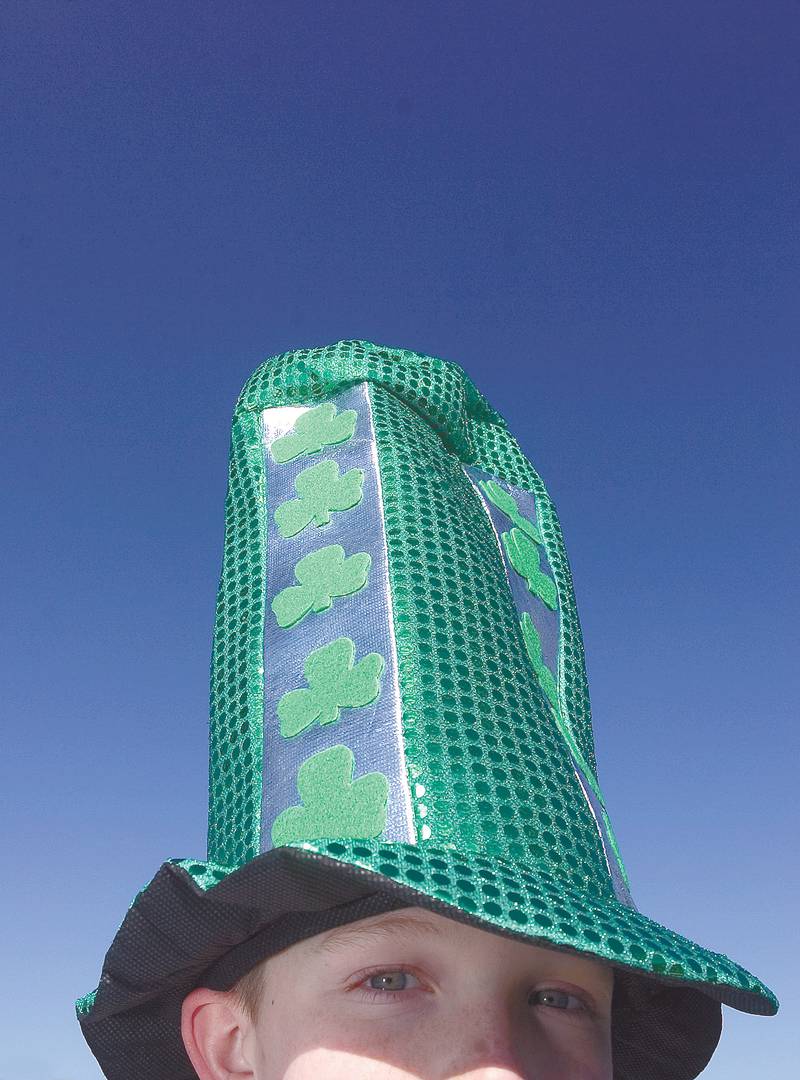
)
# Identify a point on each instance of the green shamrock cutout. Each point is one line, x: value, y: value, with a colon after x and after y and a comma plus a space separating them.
x: 322, y: 575
x: 319, y: 427
x: 333, y: 804
x: 533, y: 646
x: 506, y: 502
x: 523, y: 554
x: 321, y: 491
x: 335, y: 683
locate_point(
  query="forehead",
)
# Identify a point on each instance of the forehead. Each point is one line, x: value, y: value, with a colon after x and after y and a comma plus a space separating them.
x: 412, y: 923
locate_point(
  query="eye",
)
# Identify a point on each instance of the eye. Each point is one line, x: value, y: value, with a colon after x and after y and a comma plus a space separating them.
x: 556, y: 999
x: 389, y: 985
x: 389, y: 980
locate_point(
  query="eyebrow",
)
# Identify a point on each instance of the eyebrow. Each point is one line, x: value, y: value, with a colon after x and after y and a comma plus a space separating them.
x: 388, y: 927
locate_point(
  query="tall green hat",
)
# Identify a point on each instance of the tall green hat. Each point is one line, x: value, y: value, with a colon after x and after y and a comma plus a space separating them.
x: 399, y: 716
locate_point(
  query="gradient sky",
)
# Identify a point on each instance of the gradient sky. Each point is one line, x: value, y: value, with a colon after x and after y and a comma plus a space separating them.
x: 594, y: 209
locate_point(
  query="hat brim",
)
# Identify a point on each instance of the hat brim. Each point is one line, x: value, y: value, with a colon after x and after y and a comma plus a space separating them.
x: 201, y: 924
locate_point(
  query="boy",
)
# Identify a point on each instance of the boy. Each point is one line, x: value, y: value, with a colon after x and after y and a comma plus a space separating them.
x: 400, y: 736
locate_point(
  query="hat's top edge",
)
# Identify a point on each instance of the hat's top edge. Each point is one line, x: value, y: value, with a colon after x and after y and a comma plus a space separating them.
x: 307, y: 375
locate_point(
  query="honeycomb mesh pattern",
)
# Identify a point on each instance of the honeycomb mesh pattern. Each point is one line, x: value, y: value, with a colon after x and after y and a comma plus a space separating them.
x: 437, y: 389
x: 489, y: 773
x: 496, y: 774
x: 536, y: 904
x: 439, y: 393
x: 498, y: 452
x: 237, y: 687
x: 513, y: 898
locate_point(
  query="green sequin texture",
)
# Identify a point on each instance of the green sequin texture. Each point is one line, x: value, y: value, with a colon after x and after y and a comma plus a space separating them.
x: 321, y: 492
x: 333, y: 803
x: 313, y: 431
x: 450, y: 404
x: 322, y: 575
x: 545, y: 676
x: 85, y: 1004
x: 540, y: 869
x: 335, y: 683
x: 445, y: 602
x: 507, y: 896
x: 237, y: 681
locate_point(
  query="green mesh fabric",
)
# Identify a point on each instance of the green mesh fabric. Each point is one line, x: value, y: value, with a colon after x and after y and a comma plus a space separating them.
x: 432, y: 390
x: 490, y: 775
x: 496, y: 773
x: 237, y: 686
x: 498, y: 452
x: 537, y: 904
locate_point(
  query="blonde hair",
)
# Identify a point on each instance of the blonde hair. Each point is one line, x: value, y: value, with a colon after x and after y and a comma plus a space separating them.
x: 248, y: 992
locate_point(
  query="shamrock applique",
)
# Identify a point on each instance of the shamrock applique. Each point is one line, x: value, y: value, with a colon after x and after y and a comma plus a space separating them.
x: 533, y: 646
x: 523, y: 554
x: 333, y: 804
x: 319, y: 427
x: 335, y: 683
x: 322, y: 575
x: 321, y: 491
x: 547, y: 681
x: 506, y: 502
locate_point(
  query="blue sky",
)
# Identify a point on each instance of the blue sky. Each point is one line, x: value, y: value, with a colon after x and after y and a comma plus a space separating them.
x: 592, y: 208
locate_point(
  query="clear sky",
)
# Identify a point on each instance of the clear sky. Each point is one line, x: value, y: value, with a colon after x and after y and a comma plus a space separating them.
x: 594, y: 209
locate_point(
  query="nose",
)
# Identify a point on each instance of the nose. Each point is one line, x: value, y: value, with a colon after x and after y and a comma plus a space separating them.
x: 488, y: 1048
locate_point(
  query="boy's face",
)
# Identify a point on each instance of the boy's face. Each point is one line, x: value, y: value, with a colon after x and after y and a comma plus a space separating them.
x: 410, y: 994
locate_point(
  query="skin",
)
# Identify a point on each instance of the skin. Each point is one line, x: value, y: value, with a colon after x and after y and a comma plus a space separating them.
x: 425, y: 997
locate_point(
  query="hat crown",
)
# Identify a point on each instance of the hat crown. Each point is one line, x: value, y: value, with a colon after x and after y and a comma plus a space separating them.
x: 399, y: 715
x: 397, y: 652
